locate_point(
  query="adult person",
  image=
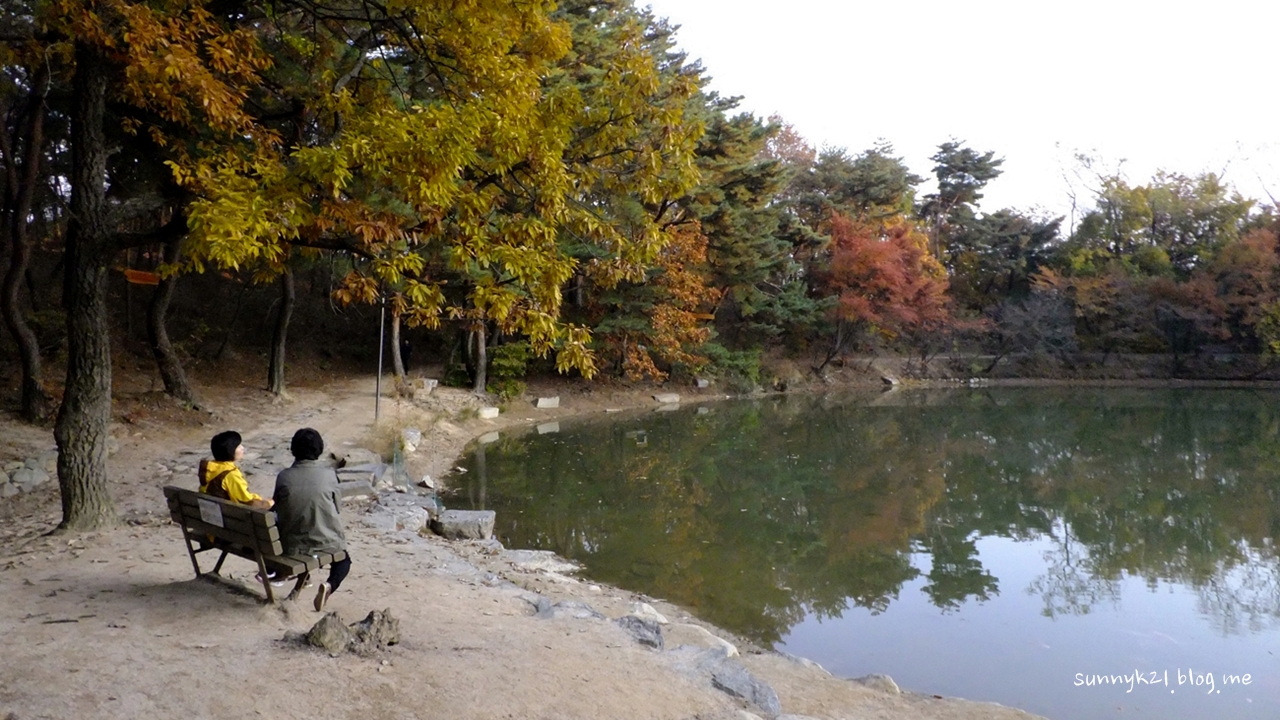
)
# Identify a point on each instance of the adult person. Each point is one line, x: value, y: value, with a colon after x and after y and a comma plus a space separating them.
x: 221, y: 478
x: 308, y: 509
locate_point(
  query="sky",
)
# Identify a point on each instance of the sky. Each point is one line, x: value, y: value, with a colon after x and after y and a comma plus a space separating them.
x: 1140, y: 85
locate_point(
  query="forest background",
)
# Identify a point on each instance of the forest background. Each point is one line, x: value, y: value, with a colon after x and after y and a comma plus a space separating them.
x: 530, y: 188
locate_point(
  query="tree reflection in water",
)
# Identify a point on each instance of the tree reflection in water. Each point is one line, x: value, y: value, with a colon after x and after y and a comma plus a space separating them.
x: 760, y: 512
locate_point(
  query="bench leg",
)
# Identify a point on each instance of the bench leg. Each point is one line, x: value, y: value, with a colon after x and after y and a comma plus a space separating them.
x: 297, y: 588
x: 266, y: 581
x: 218, y: 567
x: 192, y: 552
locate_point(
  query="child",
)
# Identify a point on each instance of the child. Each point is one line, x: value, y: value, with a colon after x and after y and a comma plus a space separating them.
x: 221, y: 478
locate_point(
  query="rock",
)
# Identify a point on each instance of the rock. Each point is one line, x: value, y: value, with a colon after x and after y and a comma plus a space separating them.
x: 667, y: 407
x: 377, y: 631
x: 876, y: 681
x: 9, y: 490
x: 806, y: 663
x: 732, y: 678
x: 539, y: 561
x: 699, y: 637
x: 33, y: 463
x: 4, y: 477
x: 489, y: 547
x: 547, y: 428
x: 489, y: 413
x: 13, y: 465
x: 704, y: 411
x: 489, y: 438
x: 645, y: 611
x: 464, y: 524
x: 412, y: 519
x: 369, y: 472
x: 330, y: 634
x: 667, y: 398
x: 427, y: 482
x: 728, y: 676
x: 547, y: 403
x: 890, y: 380
x: 356, y: 457
x: 355, y: 489
x: 425, y: 384
x: 702, y: 383
x: 569, y: 608
x: 49, y: 461
x: 28, y: 478
x: 113, y: 446
x: 538, y: 604
x: 410, y: 439
x: 645, y: 631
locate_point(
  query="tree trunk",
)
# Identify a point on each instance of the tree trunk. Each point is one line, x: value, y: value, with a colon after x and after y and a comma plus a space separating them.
x: 275, y: 375
x: 837, y: 346
x: 81, y: 430
x: 175, y: 380
x: 21, y: 182
x: 397, y: 362
x: 482, y: 361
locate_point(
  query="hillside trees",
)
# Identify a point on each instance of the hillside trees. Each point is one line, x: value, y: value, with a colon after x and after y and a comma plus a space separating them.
x: 748, y: 260
x: 458, y: 160
x: 1166, y: 266
x: 1170, y: 226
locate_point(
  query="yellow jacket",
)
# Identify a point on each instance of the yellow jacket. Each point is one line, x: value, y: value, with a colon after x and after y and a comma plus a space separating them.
x: 233, y: 482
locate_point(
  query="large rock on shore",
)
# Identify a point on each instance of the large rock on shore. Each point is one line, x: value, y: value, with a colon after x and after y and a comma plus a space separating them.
x: 464, y: 524
x: 726, y: 675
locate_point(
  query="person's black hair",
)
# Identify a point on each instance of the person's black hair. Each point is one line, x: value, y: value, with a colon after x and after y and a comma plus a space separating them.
x: 307, y: 444
x: 224, y: 444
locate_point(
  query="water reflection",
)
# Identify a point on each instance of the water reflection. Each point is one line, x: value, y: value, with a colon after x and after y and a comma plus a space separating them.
x: 759, y: 515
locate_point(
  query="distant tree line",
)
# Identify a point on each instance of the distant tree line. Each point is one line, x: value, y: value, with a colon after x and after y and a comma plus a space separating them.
x: 472, y: 165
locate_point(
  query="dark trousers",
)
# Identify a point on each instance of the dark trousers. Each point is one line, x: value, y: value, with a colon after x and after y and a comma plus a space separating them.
x: 338, y: 572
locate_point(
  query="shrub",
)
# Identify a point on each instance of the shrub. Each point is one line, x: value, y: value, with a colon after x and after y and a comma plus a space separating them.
x: 738, y: 369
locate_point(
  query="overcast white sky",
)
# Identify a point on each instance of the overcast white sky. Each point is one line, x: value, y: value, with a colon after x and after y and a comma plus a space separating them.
x: 1183, y: 86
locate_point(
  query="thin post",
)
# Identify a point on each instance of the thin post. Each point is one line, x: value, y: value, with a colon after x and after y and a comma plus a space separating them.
x: 382, y: 326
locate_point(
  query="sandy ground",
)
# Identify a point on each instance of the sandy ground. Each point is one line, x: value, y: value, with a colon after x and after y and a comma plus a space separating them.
x: 112, y: 624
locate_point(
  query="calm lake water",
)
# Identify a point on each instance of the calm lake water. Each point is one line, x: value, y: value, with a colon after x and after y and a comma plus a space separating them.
x: 996, y: 544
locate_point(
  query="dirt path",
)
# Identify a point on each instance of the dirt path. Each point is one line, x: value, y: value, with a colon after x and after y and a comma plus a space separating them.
x: 112, y: 624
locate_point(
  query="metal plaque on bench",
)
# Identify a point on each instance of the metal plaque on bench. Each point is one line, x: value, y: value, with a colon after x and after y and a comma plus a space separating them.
x: 210, y: 512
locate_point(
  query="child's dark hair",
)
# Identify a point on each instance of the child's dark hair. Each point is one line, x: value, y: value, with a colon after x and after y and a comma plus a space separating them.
x: 224, y: 444
x: 307, y: 444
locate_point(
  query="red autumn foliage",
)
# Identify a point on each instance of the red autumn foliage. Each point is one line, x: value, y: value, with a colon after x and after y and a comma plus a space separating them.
x: 884, y: 278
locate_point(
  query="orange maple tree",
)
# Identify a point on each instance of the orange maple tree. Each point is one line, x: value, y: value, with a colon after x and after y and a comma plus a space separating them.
x: 883, y: 281
x: 666, y: 318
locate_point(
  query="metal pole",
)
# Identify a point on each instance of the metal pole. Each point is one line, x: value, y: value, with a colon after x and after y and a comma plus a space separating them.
x: 382, y: 325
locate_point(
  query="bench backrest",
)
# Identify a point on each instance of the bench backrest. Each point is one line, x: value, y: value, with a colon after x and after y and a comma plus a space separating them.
x: 202, y: 515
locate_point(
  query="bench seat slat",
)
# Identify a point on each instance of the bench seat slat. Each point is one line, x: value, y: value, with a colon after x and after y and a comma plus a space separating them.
x: 195, y: 527
x: 266, y: 537
x: 236, y: 518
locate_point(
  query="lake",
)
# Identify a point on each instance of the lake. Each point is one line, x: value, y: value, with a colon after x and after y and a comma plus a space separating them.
x: 1080, y: 553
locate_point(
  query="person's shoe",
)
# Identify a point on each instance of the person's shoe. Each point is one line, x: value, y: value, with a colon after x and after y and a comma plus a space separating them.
x: 321, y: 596
x: 271, y: 577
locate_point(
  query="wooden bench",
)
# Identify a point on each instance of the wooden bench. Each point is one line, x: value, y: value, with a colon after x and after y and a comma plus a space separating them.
x: 240, y: 530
